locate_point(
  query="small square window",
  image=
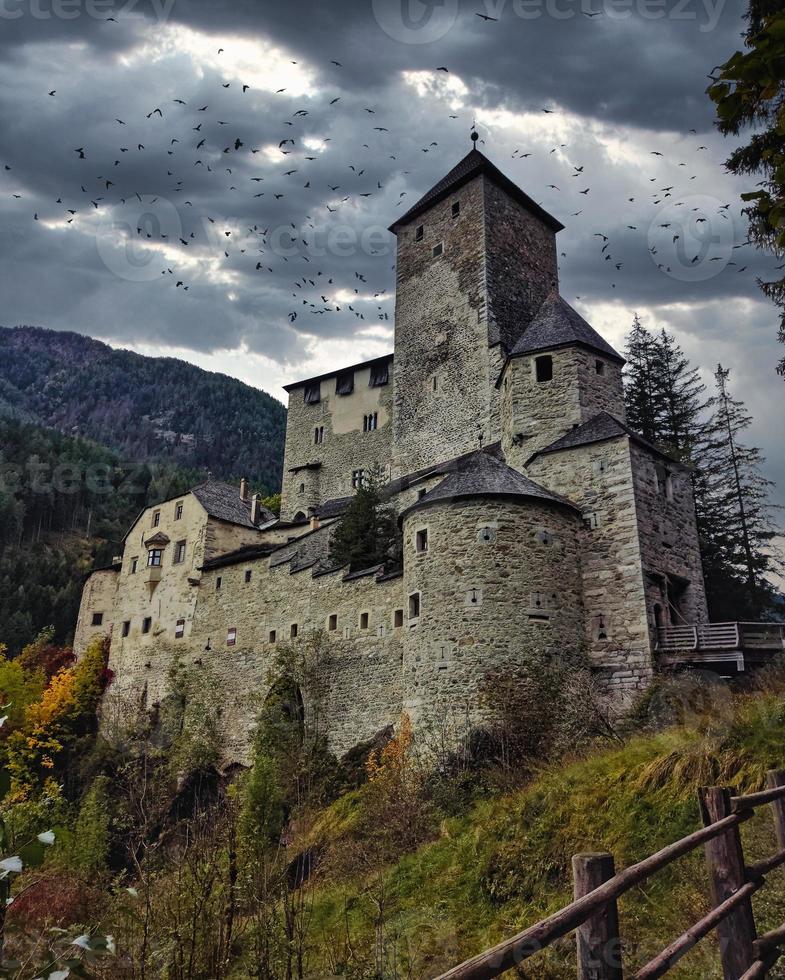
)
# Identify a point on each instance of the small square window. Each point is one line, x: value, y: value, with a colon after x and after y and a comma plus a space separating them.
x: 218, y: 582
x: 398, y: 618
x: 364, y: 621
x: 271, y: 636
x: 231, y: 636
x: 419, y: 232
x: 456, y: 208
x: 179, y: 629
x: 599, y: 367
x: 126, y: 627
x: 543, y: 368
x: 332, y: 622
x: 146, y: 624
x: 134, y: 565
x: 421, y: 540
x: 98, y: 619
x: 293, y: 630
x: 156, y: 518
x: 248, y: 574
x: 178, y: 510
x: 358, y: 477
x: 437, y: 250
x: 179, y: 553
x: 414, y: 605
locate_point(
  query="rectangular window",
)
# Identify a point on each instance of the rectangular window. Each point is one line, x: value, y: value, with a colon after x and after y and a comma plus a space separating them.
x: 98, y: 619
x: 179, y: 629
x: 178, y: 510
x: 247, y: 575
x: 271, y: 636
x: 154, y: 558
x: 312, y: 393
x: 293, y: 631
x: 344, y: 383
x: 599, y: 367
x: 146, y: 624
x: 134, y: 565
x: 418, y: 233
x: 218, y: 583
x: 438, y: 249
x: 126, y: 627
x: 156, y: 518
x: 421, y: 540
x: 358, y: 477
x: 422, y: 492
x: 364, y: 621
x: 456, y: 209
x: 179, y: 553
x: 318, y: 435
x: 231, y: 636
x: 398, y: 618
x: 380, y: 375
x: 543, y: 367
x: 414, y: 605
x: 332, y: 623
x: 370, y: 422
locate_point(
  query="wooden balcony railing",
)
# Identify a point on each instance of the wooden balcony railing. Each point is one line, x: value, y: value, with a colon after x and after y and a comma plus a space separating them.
x: 705, y: 637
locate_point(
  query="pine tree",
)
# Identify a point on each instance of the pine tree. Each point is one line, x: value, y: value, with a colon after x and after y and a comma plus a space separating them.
x: 680, y: 406
x: 639, y: 385
x: 735, y: 521
x: 367, y: 534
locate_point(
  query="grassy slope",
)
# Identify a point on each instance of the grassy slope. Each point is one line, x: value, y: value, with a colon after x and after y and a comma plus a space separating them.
x: 505, y: 864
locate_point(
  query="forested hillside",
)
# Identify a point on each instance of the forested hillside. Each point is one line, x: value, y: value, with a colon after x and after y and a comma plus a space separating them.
x: 145, y: 408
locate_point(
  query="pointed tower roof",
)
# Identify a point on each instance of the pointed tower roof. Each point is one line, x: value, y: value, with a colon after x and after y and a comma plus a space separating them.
x: 557, y: 324
x: 474, y: 163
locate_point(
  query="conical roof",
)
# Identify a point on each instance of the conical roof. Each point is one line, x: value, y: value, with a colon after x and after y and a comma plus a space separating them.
x: 557, y: 324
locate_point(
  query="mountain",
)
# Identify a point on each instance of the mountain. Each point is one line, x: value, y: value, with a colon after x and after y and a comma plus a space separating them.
x: 147, y: 409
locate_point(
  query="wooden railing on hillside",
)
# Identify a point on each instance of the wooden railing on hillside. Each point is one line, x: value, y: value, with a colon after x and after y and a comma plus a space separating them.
x: 593, y: 913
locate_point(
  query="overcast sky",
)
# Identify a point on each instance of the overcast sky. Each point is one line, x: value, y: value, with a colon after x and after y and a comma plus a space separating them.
x: 627, y: 143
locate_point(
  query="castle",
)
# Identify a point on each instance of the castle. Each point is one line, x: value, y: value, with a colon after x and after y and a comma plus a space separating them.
x: 534, y: 520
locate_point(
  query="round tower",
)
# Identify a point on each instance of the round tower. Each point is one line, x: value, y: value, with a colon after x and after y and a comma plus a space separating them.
x: 492, y: 582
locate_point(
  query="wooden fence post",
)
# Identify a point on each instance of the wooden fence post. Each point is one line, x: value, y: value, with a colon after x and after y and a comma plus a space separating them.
x: 775, y: 778
x: 725, y: 861
x: 598, y: 944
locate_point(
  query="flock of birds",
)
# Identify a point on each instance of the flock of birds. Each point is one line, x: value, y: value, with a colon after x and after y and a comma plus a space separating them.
x: 226, y: 156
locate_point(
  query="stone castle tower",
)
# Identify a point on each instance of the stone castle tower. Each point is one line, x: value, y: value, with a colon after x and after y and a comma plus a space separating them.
x: 534, y: 521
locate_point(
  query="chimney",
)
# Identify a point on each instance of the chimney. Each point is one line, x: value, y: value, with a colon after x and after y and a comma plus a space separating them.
x: 315, y: 524
x: 243, y: 489
x: 256, y: 508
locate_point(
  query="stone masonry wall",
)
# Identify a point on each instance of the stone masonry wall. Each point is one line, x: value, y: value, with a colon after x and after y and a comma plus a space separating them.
x: 345, y: 446
x: 499, y: 585
x: 98, y: 596
x: 599, y: 478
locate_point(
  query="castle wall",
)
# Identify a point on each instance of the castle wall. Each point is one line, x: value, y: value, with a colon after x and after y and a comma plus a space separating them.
x: 495, y: 592
x: 345, y: 446
x: 669, y: 540
x: 600, y: 479
x: 442, y: 381
x: 537, y: 413
x: 99, y: 596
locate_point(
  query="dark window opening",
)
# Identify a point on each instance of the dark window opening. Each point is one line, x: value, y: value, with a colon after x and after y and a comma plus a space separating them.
x: 332, y: 622
x: 414, y: 605
x: 380, y: 375
x: 364, y: 621
x: 456, y: 209
x: 421, y: 540
x: 146, y: 624
x: 179, y: 553
x: 421, y: 492
x: 156, y: 518
x: 419, y: 232
x: 178, y: 510
x: 299, y: 517
x: 398, y: 618
x: 358, y: 478
x: 247, y: 575
x: 218, y: 582
x: 154, y: 558
x: 599, y: 367
x: 344, y: 383
x: 293, y: 629
x: 98, y: 619
x: 134, y: 565
x: 438, y: 249
x: 179, y: 629
x: 271, y: 636
x: 312, y: 394
x: 370, y: 422
x: 318, y: 435
x: 126, y: 627
x: 543, y: 367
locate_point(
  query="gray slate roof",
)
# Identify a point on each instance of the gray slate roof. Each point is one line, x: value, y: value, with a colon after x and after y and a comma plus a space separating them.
x: 599, y: 428
x: 483, y: 474
x: 474, y: 163
x: 555, y: 324
x: 223, y: 502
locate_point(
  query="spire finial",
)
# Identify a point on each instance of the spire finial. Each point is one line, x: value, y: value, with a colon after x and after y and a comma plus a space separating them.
x: 474, y: 135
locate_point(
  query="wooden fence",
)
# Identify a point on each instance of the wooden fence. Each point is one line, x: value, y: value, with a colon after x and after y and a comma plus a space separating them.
x: 594, y: 916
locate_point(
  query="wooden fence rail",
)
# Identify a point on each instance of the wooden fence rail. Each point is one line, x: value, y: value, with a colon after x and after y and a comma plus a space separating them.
x: 593, y: 913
